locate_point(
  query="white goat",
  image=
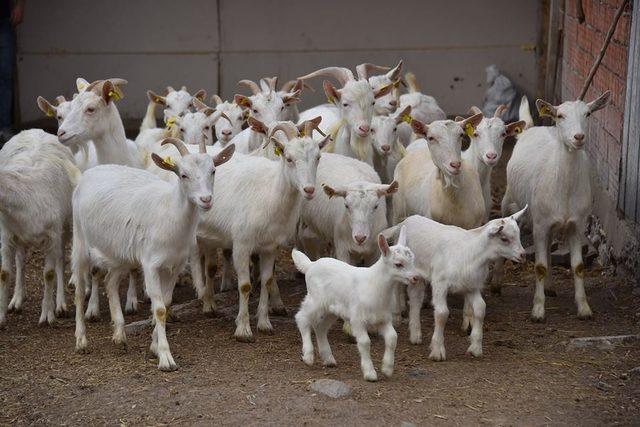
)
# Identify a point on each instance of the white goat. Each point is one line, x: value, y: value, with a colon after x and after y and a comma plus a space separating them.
x: 263, y: 219
x: 354, y: 104
x: 434, y: 182
x: 485, y: 148
x: 356, y: 294
x: 176, y: 103
x: 265, y: 105
x: 37, y: 176
x: 388, y: 150
x: 455, y: 260
x: 388, y: 103
x: 226, y: 131
x: 116, y: 213
x: 550, y: 171
x: 354, y: 211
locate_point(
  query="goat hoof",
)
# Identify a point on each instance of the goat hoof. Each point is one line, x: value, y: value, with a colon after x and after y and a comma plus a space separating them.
x: 585, y: 316
x: 266, y: 330
x: 62, y: 312
x: 245, y: 338
x: 13, y: 308
x: 278, y: 311
x: 535, y: 319
x: 550, y: 293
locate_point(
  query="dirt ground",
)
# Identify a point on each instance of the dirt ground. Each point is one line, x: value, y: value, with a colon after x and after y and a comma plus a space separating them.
x: 527, y: 375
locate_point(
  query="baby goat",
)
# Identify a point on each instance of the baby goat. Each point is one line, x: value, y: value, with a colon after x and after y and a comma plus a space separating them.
x: 117, y: 211
x: 455, y: 260
x: 356, y: 294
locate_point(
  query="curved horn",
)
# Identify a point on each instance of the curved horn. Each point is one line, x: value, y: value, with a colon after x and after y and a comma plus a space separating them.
x: 500, y: 110
x: 255, y: 89
x: 288, y: 86
x: 60, y: 99
x: 216, y: 99
x: 474, y: 110
x: 308, y: 126
x: 182, y: 149
x: 118, y: 81
x: 170, y: 89
x: 363, y: 70
x: 341, y: 74
x: 272, y: 82
x: 93, y: 85
x: 288, y: 129
x: 203, y: 144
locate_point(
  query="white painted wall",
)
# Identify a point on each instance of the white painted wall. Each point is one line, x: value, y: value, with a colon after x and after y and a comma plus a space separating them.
x: 154, y: 43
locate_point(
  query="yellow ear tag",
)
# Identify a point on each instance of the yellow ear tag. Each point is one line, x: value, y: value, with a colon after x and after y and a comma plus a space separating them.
x: 407, y: 118
x: 277, y: 150
x: 50, y: 112
x: 244, y: 101
x: 468, y: 129
x: 518, y: 129
x: 169, y: 161
x: 301, y: 133
x: 330, y: 99
x: 544, y: 110
x: 114, y: 94
x: 81, y: 87
x: 170, y: 121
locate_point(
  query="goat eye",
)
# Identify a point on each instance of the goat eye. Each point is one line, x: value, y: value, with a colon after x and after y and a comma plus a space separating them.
x: 504, y: 134
x: 345, y: 105
x: 282, y: 108
x: 183, y: 176
x: 373, y: 130
x: 213, y: 172
x: 395, y: 129
x: 206, y: 128
x: 475, y: 134
x: 255, y: 111
x: 90, y: 110
x: 181, y: 129
x: 373, y: 103
x: 588, y: 113
x: 399, y: 265
x: 504, y: 239
x: 560, y: 116
x: 59, y: 118
x: 375, y: 207
x: 289, y: 160
x: 431, y: 138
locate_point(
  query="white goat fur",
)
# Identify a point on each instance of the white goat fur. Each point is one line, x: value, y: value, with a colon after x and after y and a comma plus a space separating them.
x: 455, y: 260
x: 360, y: 295
x: 550, y: 172
x: 37, y: 176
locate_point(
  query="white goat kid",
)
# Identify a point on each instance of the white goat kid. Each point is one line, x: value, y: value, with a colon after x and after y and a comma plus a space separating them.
x: 485, y: 149
x: 455, y: 260
x: 356, y: 294
x: 37, y: 176
x: 116, y: 213
x: 550, y: 171
x: 435, y: 182
x: 352, y: 211
x: 176, y: 103
x: 354, y: 103
x: 262, y: 219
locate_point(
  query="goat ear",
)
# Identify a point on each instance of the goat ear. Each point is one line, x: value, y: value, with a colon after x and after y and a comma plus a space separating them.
x: 207, y: 111
x: 382, y: 91
x: 495, y: 228
x: 470, y: 123
x: 224, y: 155
x: 383, y: 245
x: 199, y: 105
x: 200, y: 95
x: 216, y: 100
x: 515, y: 127
x: 600, y: 102
x: 166, y: 164
x: 332, y: 192
x: 387, y: 190
x: 153, y: 97
x: 291, y: 98
x: 394, y: 73
x: 110, y: 92
x: 419, y: 128
x: 81, y: 84
x: 332, y: 93
x: 402, y: 238
x: 324, y: 141
x: 279, y: 146
x: 545, y: 109
x: 46, y: 107
x: 404, y: 115
x: 257, y: 126
x: 242, y: 101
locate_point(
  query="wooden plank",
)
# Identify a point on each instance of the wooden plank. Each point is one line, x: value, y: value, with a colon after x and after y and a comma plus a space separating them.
x: 552, y: 50
x: 633, y: 135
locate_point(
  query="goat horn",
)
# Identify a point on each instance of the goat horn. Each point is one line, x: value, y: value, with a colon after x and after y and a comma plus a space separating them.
x: 255, y: 89
x: 500, y: 110
x: 272, y: 82
x: 182, y: 149
x: 288, y: 128
x: 341, y: 74
x: 474, y: 110
x: 203, y: 144
x: 60, y: 99
x: 92, y: 85
x: 363, y: 70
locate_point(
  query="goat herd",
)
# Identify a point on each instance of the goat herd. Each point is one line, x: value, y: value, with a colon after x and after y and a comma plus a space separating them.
x: 173, y: 197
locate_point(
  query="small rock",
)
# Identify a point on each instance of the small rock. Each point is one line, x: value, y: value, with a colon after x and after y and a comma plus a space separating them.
x: 407, y: 424
x: 602, y: 343
x: 417, y: 373
x: 601, y: 385
x: 635, y: 372
x: 332, y: 388
x: 624, y: 376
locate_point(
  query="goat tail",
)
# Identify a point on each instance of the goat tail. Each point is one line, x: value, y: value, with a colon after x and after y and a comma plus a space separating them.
x: 301, y: 261
x: 149, y: 121
x: 412, y: 82
x: 524, y: 112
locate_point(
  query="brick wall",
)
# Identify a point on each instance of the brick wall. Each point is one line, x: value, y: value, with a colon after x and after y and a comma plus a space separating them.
x: 582, y: 43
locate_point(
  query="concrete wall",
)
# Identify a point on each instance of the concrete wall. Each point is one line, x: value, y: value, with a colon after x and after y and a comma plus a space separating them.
x: 204, y: 43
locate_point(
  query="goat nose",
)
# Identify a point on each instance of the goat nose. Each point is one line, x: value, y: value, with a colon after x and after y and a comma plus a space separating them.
x: 61, y: 132
x: 579, y: 136
x: 360, y: 238
x: 385, y: 148
x: 309, y: 190
x: 226, y: 132
x: 205, y: 199
x: 491, y: 155
x: 393, y: 103
x: 364, y: 128
x: 415, y: 280
x: 455, y: 165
